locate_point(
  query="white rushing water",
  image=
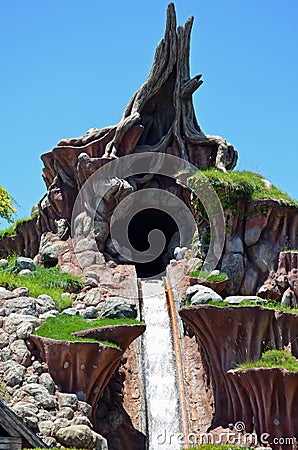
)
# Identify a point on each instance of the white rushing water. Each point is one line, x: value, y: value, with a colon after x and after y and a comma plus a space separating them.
x: 162, y: 397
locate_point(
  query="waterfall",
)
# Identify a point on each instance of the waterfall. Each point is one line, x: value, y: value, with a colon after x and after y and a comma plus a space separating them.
x: 162, y: 397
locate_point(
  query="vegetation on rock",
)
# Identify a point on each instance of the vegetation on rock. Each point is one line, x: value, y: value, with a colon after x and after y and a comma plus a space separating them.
x: 13, y: 229
x: 233, y: 185
x: 43, y: 280
x: 198, y: 273
x: 62, y: 326
x: 274, y: 359
x: 267, y: 304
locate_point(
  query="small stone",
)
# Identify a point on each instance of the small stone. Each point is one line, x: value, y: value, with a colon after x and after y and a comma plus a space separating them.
x: 4, y: 339
x: 82, y: 420
x: 14, y: 321
x: 46, y: 427
x: 90, y: 313
x: 37, y: 367
x: 92, y: 298
x: 21, y: 292
x: 24, y: 331
x: 179, y: 253
x: 25, y: 272
x: 52, y: 313
x: 47, y: 381
x: 70, y: 311
x: 65, y: 413
x: 3, y: 263
x: 31, y: 379
x: 94, y: 275
x: 91, y: 282
x: 21, y: 352
x: 40, y: 394
x: 84, y: 408
x: 23, y: 263
x: 5, y: 293
x: 28, y: 412
x: 119, y: 308
x: 21, y: 305
x: 79, y: 436
x: 69, y: 400
x: 15, y: 376
x: 238, y: 299
x: 199, y: 294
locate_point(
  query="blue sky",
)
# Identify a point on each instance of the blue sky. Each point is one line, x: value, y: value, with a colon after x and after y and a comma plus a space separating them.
x: 69, y: 65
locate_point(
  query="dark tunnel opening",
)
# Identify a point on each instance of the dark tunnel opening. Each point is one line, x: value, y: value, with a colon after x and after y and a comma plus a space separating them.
x: 139, y: 228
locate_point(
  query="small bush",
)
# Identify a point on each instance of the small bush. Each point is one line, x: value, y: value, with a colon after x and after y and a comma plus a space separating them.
x: 13, y: 229
x: 267, y: 304
x: 274, y: 359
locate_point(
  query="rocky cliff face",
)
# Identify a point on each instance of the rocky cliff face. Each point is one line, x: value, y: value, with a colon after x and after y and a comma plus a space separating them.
x: 232, y: 335
x: 256, y: 232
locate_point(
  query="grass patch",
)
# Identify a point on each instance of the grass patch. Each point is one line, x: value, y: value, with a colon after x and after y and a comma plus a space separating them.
x: 215, y: 447
x: 48, y: 281
x: 13, y: 229
x: 267, y: 304
x: 198, y: 273
x: 247, y: 185
x: 62, y: 326
x: 274, y: 359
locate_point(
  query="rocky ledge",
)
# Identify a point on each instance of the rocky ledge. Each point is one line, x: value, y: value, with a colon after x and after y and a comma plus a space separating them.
x: 229, y: 336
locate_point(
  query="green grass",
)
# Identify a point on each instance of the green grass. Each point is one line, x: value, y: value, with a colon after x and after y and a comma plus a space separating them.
x: 278, y: 359
x: 62, y: 326
x: 215, y: 447
x: 13, y: 229
x: 48, y: 281
x: 267, y: 304
x: 206, y: 276
x: 247, y: 185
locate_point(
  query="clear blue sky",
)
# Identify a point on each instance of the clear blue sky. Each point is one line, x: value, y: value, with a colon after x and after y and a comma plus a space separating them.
x: 68, y: 65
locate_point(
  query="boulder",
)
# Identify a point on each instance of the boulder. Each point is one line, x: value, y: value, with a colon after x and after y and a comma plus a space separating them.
x: 23, y: 263
x: 118, y: 308
x: 6, y: 294
x: 92, y: 298
x: 69, y: 400
x: 90, y: 313
x: 199, y: 294
x: 21, y: 292
x: 25, y: 272
x: 80, y: 436
x: 47, y: 381
x: 21, y: 352
x: 40, y: 394
x: 15, y: 375
x: 49, y: 253
x: 180, y: 253
x: 3, y: 263
x: 21, y: 305
x: 4, y: 339
x: 28, y: 412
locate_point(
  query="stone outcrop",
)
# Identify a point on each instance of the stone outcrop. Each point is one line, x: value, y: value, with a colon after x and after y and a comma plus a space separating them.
x: 232, y: 335
x: 282, y: 284
x: 25, y: 242
x: 256, y: 232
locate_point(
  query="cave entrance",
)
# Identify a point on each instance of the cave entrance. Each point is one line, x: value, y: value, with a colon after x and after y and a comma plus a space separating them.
x: 139, y: 227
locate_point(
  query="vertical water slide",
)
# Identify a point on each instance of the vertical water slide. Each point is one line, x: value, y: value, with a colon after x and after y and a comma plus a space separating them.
x: 162, y: 364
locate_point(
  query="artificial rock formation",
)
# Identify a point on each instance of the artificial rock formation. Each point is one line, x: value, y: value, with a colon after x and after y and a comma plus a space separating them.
x: 159, y: 118
x: 272, y: 396
x: 230, y: 336
x: 85, y: 368
x: 282, y: 285
x: 256, y: 232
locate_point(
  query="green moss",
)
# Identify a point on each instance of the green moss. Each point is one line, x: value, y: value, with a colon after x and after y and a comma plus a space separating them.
x: 48, y: 281
x: 62, y: 326
x: 232, y: 186
x: 13, y: 229
x: 279, y: 359
x: 206, y: 276
x: 267, y: 304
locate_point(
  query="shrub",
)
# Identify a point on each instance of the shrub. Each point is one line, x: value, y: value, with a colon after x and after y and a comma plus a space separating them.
x: 274, y: 359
